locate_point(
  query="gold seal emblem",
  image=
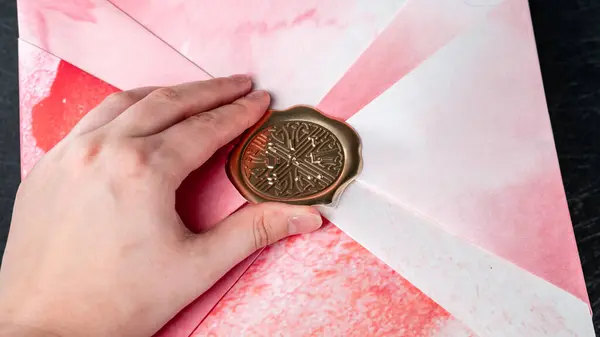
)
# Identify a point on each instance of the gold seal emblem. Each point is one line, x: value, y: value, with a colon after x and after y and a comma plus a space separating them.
x: 297, y: 156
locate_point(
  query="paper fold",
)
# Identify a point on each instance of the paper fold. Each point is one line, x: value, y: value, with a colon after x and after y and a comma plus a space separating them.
x: 488, y: 294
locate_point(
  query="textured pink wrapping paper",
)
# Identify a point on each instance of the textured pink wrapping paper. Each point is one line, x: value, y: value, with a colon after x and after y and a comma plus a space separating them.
x: 345, y: 289
x: 459, y: 157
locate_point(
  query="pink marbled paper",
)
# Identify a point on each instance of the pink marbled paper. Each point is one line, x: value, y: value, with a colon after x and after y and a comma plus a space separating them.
x: 323, y: 284
x: 449, y: 100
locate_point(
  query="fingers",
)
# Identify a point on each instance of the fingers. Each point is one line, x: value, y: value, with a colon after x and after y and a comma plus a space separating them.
x: 109, y: 109
x: 250, y: 229
x: 197, y: 138
x: 167, y: 106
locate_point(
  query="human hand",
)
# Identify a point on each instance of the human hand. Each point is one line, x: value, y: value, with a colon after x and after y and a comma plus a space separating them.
x: 96, y: 247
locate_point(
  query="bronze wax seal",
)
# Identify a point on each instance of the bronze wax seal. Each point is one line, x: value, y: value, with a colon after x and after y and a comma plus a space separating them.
x: 297, y: 156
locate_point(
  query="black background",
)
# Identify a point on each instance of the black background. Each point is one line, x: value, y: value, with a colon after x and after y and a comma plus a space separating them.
x: 568, y: 41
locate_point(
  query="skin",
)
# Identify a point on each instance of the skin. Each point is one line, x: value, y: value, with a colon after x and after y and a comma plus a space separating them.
x: 96, y: 247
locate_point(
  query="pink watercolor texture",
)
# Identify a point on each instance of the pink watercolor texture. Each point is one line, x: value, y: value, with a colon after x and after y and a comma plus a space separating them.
x: 458, y: 224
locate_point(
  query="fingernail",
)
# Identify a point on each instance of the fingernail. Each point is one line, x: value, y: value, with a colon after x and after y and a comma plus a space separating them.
x: 258, y: 94
x: 304, y: 223
x: 240, y: 78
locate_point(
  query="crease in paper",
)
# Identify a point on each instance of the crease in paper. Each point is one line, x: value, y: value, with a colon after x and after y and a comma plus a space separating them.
x: 296, y: 49
x: 97, y: 37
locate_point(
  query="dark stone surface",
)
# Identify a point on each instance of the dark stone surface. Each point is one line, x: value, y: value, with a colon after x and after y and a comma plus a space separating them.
x: 9, y: 115
x: 568, y: 40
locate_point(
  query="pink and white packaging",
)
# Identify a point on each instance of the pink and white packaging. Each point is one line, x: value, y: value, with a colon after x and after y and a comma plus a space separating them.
x: 461, y: 193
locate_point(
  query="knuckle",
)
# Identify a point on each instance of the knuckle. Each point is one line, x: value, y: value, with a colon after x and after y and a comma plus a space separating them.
x: 84, y: 152
x: 207, y: 118
x: 224, y: 83
x: 220, y: 82
x: 134, y: 161
x: 238, y: 113
x: 121, y: 159
x: 166, y: 94
x: 123, y: 97
x: 262, y: 230
x: 207, y: 124
x: 236, y: 82
x: 126, y: 159
x: 239, y: 107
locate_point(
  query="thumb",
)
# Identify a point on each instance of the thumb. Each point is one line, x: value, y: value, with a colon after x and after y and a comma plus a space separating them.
x: 252, y: 228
